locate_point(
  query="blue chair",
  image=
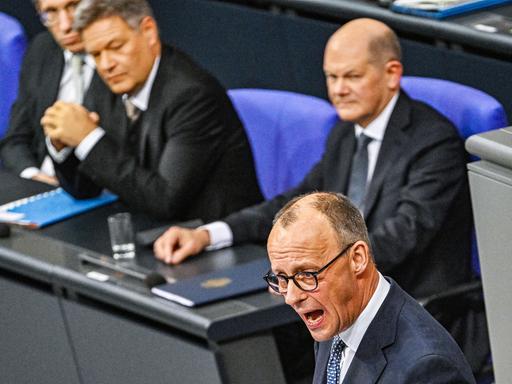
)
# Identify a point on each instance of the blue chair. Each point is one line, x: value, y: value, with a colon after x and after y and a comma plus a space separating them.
x: 287, y: 133
x: 471, y: 111
x: 13, y: 43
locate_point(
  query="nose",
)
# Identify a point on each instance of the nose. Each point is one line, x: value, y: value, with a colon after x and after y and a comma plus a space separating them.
x: 294, y: 294
x: 65, y: 20
x: 105, y: 62
x: 339, y: 86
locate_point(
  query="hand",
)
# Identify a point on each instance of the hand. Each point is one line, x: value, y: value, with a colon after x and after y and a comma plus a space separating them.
x: 44, y: 178
x: 177, y: 243
x: 68, y: 124
x: 58, y: 145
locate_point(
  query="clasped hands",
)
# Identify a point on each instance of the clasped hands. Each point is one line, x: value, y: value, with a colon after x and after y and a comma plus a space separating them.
x: 67, y: 124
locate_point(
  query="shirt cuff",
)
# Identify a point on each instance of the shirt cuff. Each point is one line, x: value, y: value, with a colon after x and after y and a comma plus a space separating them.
x: 87, y: 144
x: 57, y: 156
x: 221, y: 235
x: 29, y: 172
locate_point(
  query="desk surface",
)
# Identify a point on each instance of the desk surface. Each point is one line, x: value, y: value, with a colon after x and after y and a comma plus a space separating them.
x: 61, y: 255
x: 457, y: 30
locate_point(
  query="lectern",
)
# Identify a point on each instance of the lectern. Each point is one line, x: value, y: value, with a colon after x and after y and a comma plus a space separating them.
x: 491, y: 194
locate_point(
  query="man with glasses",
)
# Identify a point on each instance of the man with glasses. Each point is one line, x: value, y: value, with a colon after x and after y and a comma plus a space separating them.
x: 54, y: 68
x: 366, y: 328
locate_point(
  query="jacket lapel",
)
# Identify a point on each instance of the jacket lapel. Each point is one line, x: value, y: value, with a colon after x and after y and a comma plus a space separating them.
x: 370, y: 360
x: 345, y: 150
x: 152, y: 116
x: 389, y: 150
x: 51, y: 79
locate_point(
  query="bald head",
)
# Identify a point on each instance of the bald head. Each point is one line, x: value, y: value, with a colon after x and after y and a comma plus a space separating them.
x: 343, y: 217
x: 362, y: 69
x: 372, y: 36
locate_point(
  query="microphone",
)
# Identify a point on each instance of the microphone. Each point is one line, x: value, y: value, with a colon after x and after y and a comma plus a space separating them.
x: 5, y: 230
x: 154, y: 278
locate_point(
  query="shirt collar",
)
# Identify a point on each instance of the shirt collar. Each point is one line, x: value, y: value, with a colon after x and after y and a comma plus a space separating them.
x: 88, y: 60
x: 141, y: 98
x: 353, y: 335
x: 377, y: 127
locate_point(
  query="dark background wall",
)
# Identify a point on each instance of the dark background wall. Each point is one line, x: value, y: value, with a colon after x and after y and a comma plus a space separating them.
x: 249, y: 47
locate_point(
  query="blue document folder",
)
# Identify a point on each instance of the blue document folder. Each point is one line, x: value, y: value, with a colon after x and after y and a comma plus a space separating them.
x: 219, y: 285
x: 427, y: 8
x: 49, y: 207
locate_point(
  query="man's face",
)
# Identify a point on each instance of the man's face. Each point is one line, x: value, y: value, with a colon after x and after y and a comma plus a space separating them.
x: 307, y: 245
x: 124, y: 56
x: 59, y: 21
x: 358, y: 88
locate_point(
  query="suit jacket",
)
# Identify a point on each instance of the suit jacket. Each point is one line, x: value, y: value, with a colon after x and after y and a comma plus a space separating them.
x: 191, y: 157
x: 417, y: 206
x: 403, y: 344
x: 41, y: 72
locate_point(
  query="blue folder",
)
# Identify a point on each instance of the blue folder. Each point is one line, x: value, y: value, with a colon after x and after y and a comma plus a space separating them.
x: 219, y: 285
x: 456, y: 9
x: 49, y: 207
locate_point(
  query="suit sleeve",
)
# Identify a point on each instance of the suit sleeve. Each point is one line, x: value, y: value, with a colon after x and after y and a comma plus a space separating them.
x: 435, y: 179
x: 16, y: 147
x: 253, y: 224
x: 436, y: 369
x: 194, y: 130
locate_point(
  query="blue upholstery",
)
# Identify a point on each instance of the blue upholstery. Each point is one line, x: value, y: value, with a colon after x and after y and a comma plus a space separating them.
x: 12, y: 47
x: 470, y: 110
x: 287, y: 132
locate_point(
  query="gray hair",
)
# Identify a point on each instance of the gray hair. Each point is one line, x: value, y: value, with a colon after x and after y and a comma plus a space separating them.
x: 343, y: 216
x: 131, y: 11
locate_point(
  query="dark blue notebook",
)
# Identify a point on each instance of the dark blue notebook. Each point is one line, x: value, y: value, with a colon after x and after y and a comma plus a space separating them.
x: 49, y: 207
x: 441, y: 9
x: 219, y: 285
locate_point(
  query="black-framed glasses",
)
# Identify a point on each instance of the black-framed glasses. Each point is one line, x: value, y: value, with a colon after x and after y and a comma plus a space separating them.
x: 305, y: 280
x: 51, y: 16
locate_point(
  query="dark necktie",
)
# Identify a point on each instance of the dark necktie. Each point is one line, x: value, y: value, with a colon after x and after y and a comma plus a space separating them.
x: 333, y: 366
x: 359, y: 172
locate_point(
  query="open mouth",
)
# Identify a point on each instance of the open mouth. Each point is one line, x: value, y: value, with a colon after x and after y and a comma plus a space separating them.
x: 314, y: 318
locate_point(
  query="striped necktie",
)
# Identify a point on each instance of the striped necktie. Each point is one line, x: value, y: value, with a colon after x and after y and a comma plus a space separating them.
x: 333, y: 366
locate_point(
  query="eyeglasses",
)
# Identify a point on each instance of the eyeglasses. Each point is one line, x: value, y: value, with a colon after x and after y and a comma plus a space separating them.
x: 51, y: 16
x: 305, y: 280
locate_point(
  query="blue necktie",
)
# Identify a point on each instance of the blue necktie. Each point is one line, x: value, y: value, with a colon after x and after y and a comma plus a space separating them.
x: 333, y: 366
x: 359, y: 172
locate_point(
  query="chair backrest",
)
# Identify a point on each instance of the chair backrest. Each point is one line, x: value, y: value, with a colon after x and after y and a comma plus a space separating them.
x: 470, y: 110
x: 287, y: 133
x: 13, y: 43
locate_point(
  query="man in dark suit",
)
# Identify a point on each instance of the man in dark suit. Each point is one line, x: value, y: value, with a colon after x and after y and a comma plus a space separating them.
x: 178, y: 151
x: 46, y: 76
x: 416, y: 199
x: 366, y: 328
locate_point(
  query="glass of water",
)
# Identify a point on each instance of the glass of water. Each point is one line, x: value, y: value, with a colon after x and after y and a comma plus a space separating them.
x: 121, y: 236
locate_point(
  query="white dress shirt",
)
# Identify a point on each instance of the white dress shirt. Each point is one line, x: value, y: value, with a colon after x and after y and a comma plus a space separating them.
x: 221, y: 235
x: 67, y: 92
x: 353, y: 335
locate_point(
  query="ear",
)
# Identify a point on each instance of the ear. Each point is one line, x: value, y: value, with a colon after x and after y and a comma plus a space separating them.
x: 360, y: 257
x: 149, y: 30
x: 394, y: 70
